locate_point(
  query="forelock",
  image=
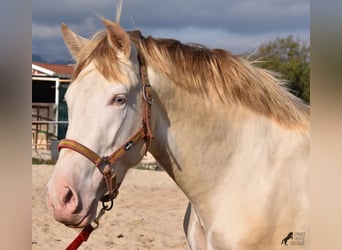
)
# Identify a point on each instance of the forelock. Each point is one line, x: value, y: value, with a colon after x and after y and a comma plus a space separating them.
x: 112, y: 64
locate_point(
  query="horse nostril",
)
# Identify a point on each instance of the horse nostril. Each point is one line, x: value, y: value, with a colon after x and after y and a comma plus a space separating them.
x: 69, y: 199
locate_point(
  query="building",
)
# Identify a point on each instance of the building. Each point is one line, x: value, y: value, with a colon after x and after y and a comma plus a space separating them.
x: 49, y: 111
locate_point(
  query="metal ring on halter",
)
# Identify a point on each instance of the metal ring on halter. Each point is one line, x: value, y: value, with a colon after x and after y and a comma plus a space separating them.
x: 147, y: 98
x: 104, y: 206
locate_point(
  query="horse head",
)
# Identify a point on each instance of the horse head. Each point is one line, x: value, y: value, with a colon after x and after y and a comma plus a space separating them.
x: 106, y: 118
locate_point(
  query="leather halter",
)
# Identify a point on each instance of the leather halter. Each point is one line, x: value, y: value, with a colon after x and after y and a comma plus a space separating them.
x: 105, y: 163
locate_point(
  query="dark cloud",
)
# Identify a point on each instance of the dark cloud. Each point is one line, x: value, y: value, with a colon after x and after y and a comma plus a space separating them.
x: 237, y: 16
x: 239, y: 19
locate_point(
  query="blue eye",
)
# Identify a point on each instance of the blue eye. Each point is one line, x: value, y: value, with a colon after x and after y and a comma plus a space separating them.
x: 119, y: 100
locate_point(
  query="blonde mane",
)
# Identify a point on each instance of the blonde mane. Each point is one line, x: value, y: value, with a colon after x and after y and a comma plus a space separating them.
x: 235, y: 80
x: 200, y: 70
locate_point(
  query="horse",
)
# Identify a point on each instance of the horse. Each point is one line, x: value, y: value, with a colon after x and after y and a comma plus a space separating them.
x: 229, y: 134
x: 288, y: 237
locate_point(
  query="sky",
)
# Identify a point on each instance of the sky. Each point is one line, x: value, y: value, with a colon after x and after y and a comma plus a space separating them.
x: 236, y: 25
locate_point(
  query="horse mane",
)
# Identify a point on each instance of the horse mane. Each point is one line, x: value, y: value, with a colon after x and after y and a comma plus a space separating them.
x: 198, y: 69
x: 234, y: 79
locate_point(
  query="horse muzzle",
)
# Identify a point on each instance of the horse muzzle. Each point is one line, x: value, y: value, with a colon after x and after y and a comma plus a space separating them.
x: 67, y: 207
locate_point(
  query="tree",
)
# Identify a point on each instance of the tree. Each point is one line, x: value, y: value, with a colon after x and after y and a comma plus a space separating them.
x: 291, y: 59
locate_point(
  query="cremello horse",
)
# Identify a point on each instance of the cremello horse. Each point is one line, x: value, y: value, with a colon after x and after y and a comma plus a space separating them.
x: 227, y: 132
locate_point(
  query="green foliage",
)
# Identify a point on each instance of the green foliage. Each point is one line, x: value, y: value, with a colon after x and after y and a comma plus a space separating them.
x: 291, y: 59
x: 42, y: 161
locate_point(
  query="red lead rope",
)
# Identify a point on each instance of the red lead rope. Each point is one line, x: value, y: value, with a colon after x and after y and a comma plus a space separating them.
x: 83, y: 236
x: 85, y: 233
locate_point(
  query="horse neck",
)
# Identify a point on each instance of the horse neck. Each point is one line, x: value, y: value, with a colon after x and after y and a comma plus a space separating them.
x: 199, y: 139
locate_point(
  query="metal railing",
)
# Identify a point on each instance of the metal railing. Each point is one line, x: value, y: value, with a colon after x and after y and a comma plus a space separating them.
x: 43, y: 135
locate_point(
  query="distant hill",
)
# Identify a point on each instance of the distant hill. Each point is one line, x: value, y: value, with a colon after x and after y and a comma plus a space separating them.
x: 39, y: 58
x: 64, y: 62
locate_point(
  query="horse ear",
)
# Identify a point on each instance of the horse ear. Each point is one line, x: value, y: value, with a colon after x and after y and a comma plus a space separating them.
x: 118, y: 37
x: 73, y: 41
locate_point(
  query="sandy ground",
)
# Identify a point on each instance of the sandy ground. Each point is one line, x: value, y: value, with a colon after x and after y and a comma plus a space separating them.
x: 148, y: 214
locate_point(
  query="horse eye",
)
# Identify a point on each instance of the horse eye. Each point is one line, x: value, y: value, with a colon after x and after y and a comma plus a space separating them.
x: 119, y: 100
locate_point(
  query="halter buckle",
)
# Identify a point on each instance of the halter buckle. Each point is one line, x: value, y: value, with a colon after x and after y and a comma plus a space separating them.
x: 146, y: 93
x: 105, y: 160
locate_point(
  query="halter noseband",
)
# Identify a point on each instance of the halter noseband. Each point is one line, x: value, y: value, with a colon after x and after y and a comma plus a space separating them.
x: 104, y: 164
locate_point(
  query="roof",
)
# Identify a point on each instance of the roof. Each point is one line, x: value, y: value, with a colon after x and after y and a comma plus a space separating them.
x: 49, y: 69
